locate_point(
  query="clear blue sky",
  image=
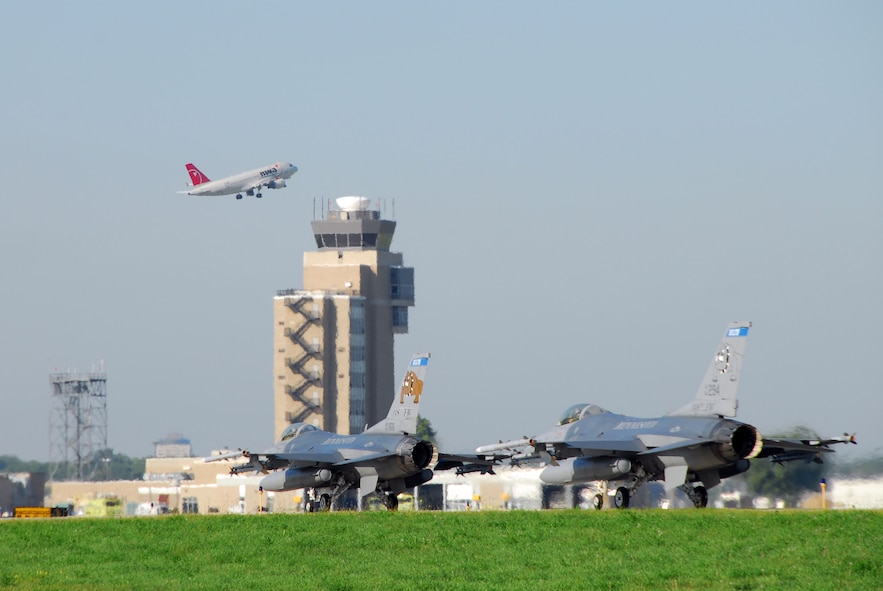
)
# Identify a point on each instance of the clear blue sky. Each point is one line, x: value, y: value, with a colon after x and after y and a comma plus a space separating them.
x: 588, y: 192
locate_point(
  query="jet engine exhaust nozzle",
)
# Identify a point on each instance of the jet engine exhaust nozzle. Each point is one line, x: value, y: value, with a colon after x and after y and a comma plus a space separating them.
x: 736, y: 441
x: 414, y: 454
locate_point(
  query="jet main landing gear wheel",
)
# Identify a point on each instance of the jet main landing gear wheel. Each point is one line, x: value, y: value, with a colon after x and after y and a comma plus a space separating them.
x: 391, y: 502
x: 697, y: 494
x: 702, y: 501
x: 598, y: 502
x: 621, y: 498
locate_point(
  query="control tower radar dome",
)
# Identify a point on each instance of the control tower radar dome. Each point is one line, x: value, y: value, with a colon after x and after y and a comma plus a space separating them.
x: 353, y: 203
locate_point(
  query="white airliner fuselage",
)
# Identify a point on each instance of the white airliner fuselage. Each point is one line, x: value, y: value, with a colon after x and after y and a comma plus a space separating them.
x: 249, y: 182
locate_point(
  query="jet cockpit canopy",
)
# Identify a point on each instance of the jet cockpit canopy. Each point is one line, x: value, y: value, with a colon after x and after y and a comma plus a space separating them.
x: 579, y: 411
x: 295, y: 430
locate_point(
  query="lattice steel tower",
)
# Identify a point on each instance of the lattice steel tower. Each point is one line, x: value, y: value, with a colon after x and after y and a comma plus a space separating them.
x: 78, y: 426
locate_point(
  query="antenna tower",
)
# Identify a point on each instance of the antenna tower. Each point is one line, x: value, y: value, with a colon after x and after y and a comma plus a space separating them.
x: 78, y: 426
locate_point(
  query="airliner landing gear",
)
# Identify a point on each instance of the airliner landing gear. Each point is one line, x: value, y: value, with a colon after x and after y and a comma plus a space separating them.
x: 598, y: 502
x: 697, y: 494
x: 621, y: 498
x: 239, y: 196
x: 324, y: 503
x: 258, y: 195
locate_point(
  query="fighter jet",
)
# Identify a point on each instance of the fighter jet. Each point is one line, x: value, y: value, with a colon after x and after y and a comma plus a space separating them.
x: 386, y: 458
x: 692, y: 448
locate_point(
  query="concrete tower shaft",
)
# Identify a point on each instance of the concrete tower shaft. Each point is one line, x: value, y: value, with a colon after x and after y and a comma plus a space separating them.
x: 334, y: 348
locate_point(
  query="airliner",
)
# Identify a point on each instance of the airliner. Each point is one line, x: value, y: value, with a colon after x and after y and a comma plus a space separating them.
x: 250, y: 182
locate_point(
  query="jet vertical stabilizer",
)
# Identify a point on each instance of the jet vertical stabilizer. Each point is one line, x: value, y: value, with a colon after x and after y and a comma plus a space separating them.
x: 717, y: 392
x: 402, y: 417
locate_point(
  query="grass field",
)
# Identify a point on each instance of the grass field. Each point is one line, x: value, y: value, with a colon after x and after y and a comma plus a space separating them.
x: 536, y: 550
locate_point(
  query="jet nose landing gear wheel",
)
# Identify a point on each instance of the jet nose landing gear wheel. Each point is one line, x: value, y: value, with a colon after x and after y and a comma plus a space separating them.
x: 598, y: 502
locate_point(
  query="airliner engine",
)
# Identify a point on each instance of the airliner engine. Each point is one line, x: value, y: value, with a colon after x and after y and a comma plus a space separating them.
x: 276, y: 184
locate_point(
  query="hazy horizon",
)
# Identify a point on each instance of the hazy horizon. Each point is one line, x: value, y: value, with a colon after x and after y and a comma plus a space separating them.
x: 588, y: 194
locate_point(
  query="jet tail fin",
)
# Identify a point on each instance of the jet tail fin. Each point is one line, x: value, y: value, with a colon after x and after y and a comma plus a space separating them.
x: 717, y: 392
x: 402, y: 417
x: 196, y: 176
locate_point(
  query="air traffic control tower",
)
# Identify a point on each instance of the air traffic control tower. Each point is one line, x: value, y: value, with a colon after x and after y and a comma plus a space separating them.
x: 334, y: 356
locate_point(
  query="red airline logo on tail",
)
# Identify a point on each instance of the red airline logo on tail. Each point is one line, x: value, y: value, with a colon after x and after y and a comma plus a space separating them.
x: 196, y: 175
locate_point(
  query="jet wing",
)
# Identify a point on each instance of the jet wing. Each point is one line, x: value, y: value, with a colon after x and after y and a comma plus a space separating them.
x: 665, y: 449
x: 546, y: 447
x: 772, y: 446
x: 263, y: 462
x: 466, y: 463
x: 318, y: 458
x: 227, y: 456
x: 602, y: 447
x: 366, y: 458
x: 781, y: 450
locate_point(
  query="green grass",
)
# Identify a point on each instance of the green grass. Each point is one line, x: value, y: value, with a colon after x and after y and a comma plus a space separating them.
x: 537, y: 550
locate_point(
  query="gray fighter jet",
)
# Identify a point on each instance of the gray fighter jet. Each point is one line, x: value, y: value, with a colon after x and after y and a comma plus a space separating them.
x: 386, y: 458
x: 692, y: 448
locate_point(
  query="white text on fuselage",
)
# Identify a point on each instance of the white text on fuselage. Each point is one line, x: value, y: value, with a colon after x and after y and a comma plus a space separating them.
x: 338, y: 440
x: 635, y: 425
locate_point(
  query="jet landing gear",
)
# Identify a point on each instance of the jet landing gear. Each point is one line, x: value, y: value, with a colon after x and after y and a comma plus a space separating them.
x: 697, y: 494
x: 239, y: 195
x: 621, y: 498
x: 320, y: 505
x: 324, y: 502
x: 390, y: 501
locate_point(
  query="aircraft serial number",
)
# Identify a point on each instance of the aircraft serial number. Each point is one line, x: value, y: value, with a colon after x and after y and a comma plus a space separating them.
x: 339, y: 440
x: 636, y: 425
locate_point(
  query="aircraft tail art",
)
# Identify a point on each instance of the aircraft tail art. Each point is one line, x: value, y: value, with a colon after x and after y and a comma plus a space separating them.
x: 717, y: 392
x: 196, y: 175
x: 402, y: 417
